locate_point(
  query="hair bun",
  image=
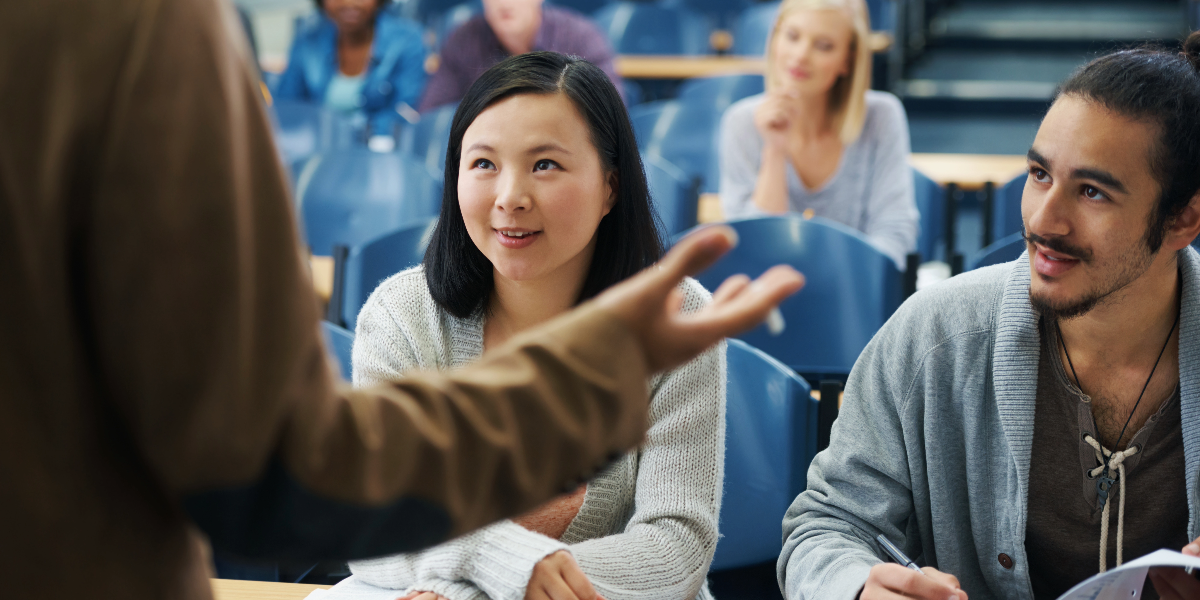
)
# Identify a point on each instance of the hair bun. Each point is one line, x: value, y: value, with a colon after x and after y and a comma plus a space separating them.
x: 1191, y: 49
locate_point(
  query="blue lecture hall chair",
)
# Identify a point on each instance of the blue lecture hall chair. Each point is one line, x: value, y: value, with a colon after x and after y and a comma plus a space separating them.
x: 427, y: 139
x: 338, y: 343
x: 752, y: 29
x: 722, y: 12
x: 675, y: 196
x: 355, y: 195
x: 643, y: 28
x: 303, y: 129
x: 721, y: 91
x: 586, y: 7
x: 931, y: 202
x: 1006, y: 208
x: 443, y: 23
x: 770, y: 438
x: 358, y: 270
x: 1006, y: 249
x: 851, y: 289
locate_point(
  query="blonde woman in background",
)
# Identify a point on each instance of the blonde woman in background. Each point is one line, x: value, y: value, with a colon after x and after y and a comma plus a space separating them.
x: 818, y: 138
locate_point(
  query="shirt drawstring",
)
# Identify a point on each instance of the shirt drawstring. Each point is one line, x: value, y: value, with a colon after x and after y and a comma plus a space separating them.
x: 1116, y: 462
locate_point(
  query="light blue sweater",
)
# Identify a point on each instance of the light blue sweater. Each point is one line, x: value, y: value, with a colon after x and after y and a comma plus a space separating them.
x: 871, y: 190
x: 932, y: 444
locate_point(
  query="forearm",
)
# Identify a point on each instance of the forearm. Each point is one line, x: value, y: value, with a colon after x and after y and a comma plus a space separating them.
x: 770, y: 189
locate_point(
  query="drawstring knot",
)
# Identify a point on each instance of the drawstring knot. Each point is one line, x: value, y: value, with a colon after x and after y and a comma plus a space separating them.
x: 1116, y: 462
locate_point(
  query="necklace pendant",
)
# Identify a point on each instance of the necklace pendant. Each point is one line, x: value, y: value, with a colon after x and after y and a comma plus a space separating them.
x: 1103, y: 484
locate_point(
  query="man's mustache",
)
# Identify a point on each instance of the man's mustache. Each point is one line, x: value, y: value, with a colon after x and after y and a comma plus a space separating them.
x: 1059, y: 245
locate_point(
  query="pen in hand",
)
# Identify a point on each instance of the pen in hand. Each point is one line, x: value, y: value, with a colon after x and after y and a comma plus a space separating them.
x: 896, y: 554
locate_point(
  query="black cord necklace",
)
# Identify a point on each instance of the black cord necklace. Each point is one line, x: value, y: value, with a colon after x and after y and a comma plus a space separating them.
x: 1104, y: 482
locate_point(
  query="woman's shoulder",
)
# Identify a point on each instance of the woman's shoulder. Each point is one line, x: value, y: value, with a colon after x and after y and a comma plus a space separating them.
x: 405, y: 298
x: 391, y: 28
x: 742, y: 111
x: 884, y: 110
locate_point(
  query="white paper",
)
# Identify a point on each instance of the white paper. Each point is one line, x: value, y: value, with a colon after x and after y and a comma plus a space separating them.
x: 351, y: 588
x: 1125, y: 582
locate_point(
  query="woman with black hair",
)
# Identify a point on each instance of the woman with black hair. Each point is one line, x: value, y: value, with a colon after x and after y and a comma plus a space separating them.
x: 357, y: 58
x: 545, y: 206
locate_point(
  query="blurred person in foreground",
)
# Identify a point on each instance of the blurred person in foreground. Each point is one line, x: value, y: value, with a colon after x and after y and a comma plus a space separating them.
x: 507, y: 28
x: 162, y: 377
x: 359, y: 59
x: 1022, y: 427
x: 819, y: 139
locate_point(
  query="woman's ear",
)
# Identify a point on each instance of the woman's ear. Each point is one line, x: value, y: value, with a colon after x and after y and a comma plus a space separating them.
x: 612, y: 182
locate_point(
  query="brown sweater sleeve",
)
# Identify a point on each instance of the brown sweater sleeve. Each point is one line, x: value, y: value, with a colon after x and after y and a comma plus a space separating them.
x: 204, y: 329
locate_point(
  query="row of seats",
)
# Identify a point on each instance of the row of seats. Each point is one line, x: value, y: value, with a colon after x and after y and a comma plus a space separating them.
x: 771, y: 429
x: 668, y: 27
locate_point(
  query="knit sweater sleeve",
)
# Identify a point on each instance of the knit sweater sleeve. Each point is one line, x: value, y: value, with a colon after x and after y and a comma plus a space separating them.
x: 668, y: 543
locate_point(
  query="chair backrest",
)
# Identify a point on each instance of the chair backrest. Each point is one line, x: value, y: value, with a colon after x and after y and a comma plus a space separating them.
x: 851, y: 289
x: 721, y: 12
x: 353, y: 196
x: 1006, y: 208
x: 446, y: 21
x: 305, y: 129
x: 931, y: 203
x: 1006, y: 249
x: 369, y: 264
x: 427, y: 139
x: 586, y: 7
x: 339, y: 343
x: 770, y: 438
x: 676, y: 196
x: 752, y: 29
x: 642, y: 28
x: 685, y: 133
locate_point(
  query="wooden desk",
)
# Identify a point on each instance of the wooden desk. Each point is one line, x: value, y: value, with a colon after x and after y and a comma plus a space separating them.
x: 232, y: 589
x: 633, y: 66
x: 322, y: 276
x: 969, y: 171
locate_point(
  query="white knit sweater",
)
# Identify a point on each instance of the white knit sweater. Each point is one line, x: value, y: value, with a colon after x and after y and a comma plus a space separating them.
x: 647, y: 528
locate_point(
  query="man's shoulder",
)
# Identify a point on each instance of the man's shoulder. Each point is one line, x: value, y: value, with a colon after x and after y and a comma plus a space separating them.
x: 967, y: 303
x: 571, y: 32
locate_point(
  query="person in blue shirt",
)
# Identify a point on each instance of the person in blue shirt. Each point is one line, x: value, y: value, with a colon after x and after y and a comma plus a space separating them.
x: 357, y: 58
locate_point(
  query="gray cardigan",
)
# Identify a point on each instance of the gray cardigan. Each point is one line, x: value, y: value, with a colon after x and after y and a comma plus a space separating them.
x: 871, y: 191
x: 932, y: 444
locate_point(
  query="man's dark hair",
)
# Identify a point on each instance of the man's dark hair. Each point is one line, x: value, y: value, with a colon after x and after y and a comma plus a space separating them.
x: 628, y: 238
x: 1162, y: 87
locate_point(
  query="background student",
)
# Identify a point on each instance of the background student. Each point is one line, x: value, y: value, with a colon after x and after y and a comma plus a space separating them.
x: 818, y: 138
x: 162, y: 377
x: 359, y: 59
x: 545, y: 191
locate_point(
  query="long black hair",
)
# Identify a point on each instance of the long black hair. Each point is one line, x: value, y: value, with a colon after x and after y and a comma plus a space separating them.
x: 1162, y: 87
x: 628, y: 238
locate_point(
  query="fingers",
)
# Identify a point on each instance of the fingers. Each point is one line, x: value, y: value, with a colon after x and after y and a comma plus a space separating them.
x: 730, y: 288
x: 558, y: 577
x: 890, y: 580
x: 1174, y: 584
x: 743, y: 307
x: 576, y: 580
x: 696, y: 252
x: 1192, y: 549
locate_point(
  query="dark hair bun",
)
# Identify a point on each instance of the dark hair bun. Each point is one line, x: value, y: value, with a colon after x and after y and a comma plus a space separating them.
x: 1191, y: 49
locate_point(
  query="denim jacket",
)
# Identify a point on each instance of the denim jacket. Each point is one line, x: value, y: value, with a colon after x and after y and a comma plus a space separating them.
x: 932, y: 446
x: 395, y: 72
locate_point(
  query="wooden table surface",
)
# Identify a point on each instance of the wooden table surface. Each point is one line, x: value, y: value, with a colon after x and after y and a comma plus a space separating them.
x: 635, y: 66
x: 232, y: 589
x: 969, y: 171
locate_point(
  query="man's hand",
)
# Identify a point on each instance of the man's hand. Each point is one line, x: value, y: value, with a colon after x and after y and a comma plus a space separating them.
x: 649, y: 302
x: 558, y: 577
x: 890, y: 580
x: 1176, y: 584
x: 422, y: 596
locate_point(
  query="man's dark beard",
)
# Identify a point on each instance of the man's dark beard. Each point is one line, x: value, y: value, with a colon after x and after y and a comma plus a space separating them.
x: 1086, y: 304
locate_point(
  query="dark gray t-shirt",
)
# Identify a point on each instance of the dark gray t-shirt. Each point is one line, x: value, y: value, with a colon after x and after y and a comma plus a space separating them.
x: 1062, y: 534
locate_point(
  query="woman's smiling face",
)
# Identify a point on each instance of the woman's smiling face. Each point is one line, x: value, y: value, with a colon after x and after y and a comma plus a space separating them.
x: 532, y: 189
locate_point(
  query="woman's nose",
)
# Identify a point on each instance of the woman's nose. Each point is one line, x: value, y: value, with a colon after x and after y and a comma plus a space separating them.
x: 513, y: 194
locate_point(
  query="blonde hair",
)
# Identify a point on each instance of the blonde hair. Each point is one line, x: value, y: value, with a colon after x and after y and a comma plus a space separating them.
x: 848, y: 97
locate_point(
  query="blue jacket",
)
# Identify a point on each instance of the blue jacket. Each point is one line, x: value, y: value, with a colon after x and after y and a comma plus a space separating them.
x: 395, y: 73
x: 933, y: 442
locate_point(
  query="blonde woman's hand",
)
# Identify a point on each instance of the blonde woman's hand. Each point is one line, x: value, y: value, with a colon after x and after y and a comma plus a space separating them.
x: 774, y: 118
x: 558, y: 577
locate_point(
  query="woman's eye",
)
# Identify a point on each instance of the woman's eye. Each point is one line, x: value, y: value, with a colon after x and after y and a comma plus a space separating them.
x: 545, y: 165
x: 1039, y: 175
x: 1092, y: 193
x: 793, y: 35
x: 824, y: 46
x: 481, y: 163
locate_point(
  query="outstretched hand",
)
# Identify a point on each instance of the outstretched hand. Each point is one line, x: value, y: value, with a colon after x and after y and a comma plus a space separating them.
x: 1177, y: 584
x: 649, y: 302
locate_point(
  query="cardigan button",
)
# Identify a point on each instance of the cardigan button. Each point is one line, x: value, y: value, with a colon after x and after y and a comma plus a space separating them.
x: 1005, y: 561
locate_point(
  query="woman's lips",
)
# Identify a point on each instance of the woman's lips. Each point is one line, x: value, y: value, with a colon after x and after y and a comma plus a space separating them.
x: 515, y: 238
x: 798, y: 73
x: 1052, y: 264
